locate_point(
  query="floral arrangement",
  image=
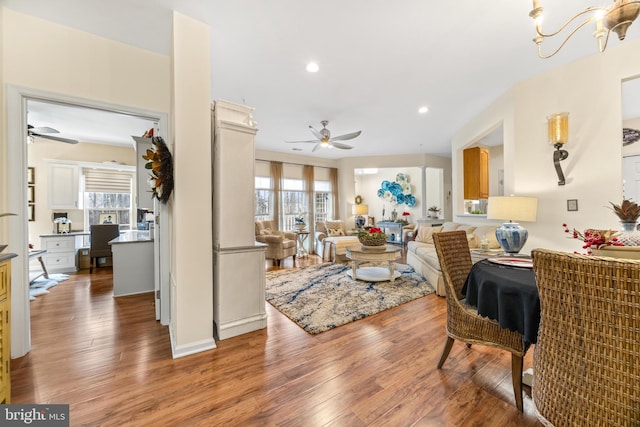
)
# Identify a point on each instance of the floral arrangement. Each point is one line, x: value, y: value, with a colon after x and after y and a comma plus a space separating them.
x: 594, y: 239
x: 398, y: 192
x: 405, y: 213
x: 160, y: 164
x: 62, y: 220
x: 299, y: 220
x: 372, y: 237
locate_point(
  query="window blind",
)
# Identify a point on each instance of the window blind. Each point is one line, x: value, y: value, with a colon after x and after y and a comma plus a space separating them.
x: 107, y: 181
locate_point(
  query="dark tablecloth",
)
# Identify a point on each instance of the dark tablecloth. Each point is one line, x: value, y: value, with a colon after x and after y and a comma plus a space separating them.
x: 506, y: 294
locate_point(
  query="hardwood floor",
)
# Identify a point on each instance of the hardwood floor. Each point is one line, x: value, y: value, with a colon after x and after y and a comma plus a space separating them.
x: 111, y: 361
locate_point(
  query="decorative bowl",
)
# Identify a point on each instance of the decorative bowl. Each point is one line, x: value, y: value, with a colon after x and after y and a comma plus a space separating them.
x: 372, y: 241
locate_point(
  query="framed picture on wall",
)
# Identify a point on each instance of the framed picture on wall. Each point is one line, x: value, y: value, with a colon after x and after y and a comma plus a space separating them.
x: 31, y: 175
x: 32, y: 212
x: 572, y: 205
x: 108, y: 218
x: 32, y: 194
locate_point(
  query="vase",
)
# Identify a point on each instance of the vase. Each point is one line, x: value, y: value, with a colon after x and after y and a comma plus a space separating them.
x: 628, y: 225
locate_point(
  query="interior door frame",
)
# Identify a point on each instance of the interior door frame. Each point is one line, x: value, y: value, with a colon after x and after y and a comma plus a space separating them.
x: 17, y: 162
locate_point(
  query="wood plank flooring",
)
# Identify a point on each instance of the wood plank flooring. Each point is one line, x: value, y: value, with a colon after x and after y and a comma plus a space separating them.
x: 111, y: 361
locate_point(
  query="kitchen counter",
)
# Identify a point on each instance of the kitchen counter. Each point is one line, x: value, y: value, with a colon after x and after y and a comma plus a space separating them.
x: 133, y: 271
x: 71, y: 233
x: 133, y: 236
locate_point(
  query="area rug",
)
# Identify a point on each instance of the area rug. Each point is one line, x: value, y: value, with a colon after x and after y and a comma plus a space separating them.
x: 41, y: 285
x: 323, y: 297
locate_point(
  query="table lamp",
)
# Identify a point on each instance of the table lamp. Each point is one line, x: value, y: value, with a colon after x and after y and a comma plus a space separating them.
x: 511, y: 236
x: 359, y: 211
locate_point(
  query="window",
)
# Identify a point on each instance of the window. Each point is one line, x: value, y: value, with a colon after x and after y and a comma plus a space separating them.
x: 264, y: 198
x: 294, y: 201
x: 107, y: 197
x: 322, y: 197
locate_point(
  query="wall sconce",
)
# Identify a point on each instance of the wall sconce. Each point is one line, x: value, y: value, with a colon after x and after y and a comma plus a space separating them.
x: 558, y: 127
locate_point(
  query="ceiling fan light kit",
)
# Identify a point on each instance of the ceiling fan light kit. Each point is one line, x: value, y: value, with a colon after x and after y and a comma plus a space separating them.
x: 324, y: 139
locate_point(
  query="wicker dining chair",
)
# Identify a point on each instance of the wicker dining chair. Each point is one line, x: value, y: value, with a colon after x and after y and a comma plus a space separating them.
x: 586, y: 363
x: 463, y: 321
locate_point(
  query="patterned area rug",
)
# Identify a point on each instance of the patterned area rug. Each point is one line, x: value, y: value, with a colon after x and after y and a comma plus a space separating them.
x: 322, y: 297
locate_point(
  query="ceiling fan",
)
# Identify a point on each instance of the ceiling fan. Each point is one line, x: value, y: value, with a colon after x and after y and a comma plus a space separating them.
x: 42, y: 132
x: 324, y: 138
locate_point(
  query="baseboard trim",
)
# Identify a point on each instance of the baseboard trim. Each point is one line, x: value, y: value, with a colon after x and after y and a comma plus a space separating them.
x: 242, y: 326
x: 191, y: 348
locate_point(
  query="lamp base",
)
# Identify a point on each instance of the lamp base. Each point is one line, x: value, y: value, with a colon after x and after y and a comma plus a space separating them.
x: 511, y: 237
x: 360, y: 221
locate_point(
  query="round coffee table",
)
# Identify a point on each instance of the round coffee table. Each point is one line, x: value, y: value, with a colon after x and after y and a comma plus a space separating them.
x: 373, y: 274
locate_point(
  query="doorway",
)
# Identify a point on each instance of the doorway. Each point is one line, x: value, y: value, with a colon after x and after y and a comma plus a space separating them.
x: 17, y: 113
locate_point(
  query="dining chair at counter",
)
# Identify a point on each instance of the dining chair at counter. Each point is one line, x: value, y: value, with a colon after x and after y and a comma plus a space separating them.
x: 101, y: 234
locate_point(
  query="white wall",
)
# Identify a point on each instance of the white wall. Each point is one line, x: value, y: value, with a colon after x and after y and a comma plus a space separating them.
x: 192, y: 233
x: 347, y: 178
x: 367, y: 186
x: 590, y: 90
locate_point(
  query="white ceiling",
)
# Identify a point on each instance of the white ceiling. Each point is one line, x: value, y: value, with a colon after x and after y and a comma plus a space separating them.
x: 379, y: 60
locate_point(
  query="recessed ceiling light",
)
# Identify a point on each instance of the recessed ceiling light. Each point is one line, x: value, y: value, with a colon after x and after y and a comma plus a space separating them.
x: 312, y: 67
x: 423, y: 110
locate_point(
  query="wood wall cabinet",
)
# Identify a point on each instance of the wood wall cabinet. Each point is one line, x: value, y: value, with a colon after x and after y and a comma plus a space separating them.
x: 62, y: 185
x: 5, y: 329
x: 476, y: 173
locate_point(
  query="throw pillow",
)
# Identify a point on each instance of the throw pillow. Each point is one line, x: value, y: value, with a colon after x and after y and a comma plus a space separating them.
x: 488, y: 232
x: 336, y: 232
x: 266, y: 231
x: 425, y: 234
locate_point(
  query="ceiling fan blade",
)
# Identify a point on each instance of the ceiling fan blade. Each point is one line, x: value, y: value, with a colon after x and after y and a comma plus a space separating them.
x: 346, y: 136
x: 57, y: 138
x: 42, y: 129
x: 341, y: 145
x: 295, y: 142
x: 318, y: 145
x: 317, y: 133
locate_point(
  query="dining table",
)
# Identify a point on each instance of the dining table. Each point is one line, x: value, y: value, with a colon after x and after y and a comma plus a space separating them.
x: 504, y: 289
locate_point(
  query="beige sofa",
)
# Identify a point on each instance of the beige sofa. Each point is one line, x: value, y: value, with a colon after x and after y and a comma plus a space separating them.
x: 422, y: 256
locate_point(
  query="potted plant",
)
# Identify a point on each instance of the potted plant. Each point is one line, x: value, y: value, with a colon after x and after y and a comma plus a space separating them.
x: 300, y: 224
x: 434, y: 211
x: 628, y: 212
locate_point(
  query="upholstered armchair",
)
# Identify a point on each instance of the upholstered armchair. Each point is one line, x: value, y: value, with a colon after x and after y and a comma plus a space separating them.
x: 332, y: 236
x: 280, y: 244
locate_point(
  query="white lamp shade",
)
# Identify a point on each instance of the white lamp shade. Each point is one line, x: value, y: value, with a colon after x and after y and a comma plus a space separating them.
x: 360, y: 209
x: 512, y: 208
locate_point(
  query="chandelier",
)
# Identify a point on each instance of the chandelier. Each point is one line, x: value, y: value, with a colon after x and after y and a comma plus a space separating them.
x: 617, y: 18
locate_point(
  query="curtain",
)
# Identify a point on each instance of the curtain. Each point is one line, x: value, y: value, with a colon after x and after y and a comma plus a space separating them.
x: 276, y: 177
x: 333, y: 177
x: 309, y: 179
x: 106, y: 181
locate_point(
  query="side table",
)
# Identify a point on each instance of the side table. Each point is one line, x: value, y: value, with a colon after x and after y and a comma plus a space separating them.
x: 302, y: 237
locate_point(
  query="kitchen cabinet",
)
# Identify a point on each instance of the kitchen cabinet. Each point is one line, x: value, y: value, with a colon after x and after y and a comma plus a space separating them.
x: 476, y: 173
x: 61, y: 251
x: 5, y: 328
x: 63, y: 183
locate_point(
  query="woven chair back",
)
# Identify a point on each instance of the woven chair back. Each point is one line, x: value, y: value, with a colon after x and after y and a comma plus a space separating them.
x: 586, y: 363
